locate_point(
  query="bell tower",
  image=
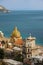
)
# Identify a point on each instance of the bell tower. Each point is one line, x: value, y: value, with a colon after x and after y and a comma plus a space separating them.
x: 30, y: 41
x: 29, y: 45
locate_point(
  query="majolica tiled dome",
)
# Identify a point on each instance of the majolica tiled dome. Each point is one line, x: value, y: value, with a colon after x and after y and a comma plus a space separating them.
x: 16, y: 33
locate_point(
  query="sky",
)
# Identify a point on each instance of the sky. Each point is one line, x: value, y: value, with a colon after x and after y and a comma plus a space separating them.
x: 22, y: 4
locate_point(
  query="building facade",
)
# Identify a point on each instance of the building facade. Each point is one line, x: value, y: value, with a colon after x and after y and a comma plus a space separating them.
x: 29, y: 48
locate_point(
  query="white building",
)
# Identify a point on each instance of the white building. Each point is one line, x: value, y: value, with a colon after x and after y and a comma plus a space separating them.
x: 12, y: 62
x: 30, y: 48
x: 1, y: 34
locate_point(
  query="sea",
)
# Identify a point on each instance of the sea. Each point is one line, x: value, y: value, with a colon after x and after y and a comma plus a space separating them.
x: 27, y: 21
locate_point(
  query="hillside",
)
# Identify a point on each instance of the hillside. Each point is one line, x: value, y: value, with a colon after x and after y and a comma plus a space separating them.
x: 3, y: 9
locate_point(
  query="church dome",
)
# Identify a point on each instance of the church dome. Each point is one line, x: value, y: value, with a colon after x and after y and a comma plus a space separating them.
x: 16, y: 33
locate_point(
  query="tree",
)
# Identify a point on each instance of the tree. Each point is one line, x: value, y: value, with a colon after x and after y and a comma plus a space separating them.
x: 1, y: 53
x: 1, y: 57
x: 19, y: 57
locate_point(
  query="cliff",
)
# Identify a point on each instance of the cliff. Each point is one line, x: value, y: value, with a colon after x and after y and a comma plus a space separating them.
x: 3, y: 9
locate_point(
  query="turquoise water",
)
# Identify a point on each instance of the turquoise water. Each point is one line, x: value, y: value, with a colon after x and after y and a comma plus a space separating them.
x: 26, y: 21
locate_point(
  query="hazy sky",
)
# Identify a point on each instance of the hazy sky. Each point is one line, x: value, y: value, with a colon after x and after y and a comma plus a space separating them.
x: 22, y: 4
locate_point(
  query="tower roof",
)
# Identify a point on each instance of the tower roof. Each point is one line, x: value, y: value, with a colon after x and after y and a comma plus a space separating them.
x: 31, y: 38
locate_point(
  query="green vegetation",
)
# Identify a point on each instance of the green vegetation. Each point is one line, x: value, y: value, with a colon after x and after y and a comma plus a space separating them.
x: 1, y: 53
x: 19, y: 57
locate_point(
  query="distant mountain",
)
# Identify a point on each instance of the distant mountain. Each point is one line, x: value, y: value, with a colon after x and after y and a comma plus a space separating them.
x: 3, y: 9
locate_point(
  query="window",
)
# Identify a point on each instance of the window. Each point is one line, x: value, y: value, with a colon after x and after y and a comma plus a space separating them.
x: 28, y: 50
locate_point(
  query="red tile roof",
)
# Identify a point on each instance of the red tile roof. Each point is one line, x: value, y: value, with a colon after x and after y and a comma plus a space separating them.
x: 19, y: 42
